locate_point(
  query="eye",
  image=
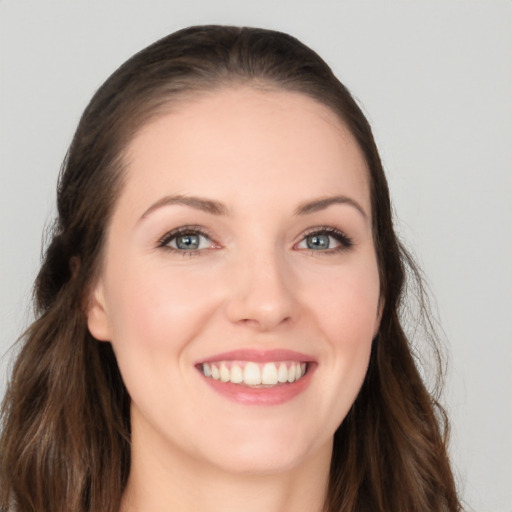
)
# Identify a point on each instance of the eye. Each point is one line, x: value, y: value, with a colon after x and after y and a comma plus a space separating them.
x: 185, y: 239
x: 325, y: 240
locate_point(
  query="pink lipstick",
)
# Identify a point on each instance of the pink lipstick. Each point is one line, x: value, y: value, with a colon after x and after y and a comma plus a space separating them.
x: 268, y: 377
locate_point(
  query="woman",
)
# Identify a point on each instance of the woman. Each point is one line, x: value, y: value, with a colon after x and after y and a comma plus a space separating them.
x: 219, y: 320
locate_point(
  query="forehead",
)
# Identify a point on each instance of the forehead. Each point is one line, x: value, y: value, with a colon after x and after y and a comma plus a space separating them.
x: 246, y: 140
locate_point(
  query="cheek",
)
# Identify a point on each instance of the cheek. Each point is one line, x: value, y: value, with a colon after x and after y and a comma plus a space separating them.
x: 157, y: 307
x: 347, y: 315
x: 348, y: 304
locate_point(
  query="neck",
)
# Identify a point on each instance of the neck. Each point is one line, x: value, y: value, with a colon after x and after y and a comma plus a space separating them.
x: 179, y: 483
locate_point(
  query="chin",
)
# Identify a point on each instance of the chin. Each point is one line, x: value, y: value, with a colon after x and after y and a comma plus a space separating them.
x: 254, y: 462
x: 266, y: 456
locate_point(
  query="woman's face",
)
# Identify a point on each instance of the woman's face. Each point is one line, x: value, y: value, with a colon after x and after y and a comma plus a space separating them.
x: 240, y: 288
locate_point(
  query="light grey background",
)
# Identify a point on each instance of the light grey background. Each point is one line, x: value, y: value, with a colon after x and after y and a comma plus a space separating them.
x: 435, y: 79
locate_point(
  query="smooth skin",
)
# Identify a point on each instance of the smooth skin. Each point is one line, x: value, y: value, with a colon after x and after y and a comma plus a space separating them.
x: 262, y: 262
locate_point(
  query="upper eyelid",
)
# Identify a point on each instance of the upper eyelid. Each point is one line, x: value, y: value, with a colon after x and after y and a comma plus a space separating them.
x: 173, y: 233
x: 322, y: 229
x: 325, y: 229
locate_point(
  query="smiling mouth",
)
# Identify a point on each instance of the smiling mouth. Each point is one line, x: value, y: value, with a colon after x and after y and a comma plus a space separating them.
x: 254, y: 375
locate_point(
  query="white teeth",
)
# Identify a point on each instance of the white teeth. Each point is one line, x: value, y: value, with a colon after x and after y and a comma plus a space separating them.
x: 224, y: 373
x: 282, y: 374
x: 269, y: 374
x: 291, y: 373
x: 237, y: 375
x: 254, y: 374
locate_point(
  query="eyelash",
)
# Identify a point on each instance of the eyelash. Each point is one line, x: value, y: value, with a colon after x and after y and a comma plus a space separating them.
x: 342, y: 238
x: 345, y: 242
x: 163, y: 243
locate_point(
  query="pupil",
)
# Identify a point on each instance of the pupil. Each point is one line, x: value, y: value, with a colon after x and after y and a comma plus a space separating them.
x: 318, y: 242
x: 187, y: 242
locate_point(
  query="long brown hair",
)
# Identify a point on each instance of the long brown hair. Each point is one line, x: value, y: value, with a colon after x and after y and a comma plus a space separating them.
x: 65, y: 441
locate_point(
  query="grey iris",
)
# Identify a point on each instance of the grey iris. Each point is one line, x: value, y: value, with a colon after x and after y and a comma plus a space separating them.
x: 187, y: 242
x: 317, y: 242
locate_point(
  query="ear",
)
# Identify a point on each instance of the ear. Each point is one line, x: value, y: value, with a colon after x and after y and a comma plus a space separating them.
x: 380, y: 309
x: 97, y: 317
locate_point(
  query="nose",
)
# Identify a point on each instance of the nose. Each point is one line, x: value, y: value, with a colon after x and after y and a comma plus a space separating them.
x: 263, y: 293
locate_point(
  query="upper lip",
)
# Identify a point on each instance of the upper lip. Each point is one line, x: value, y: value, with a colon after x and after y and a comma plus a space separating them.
x: 259, y: 356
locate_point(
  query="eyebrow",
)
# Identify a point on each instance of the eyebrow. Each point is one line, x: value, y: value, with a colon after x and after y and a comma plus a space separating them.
x: 323, y: 203
x: 199, y: 203
x: 218, y: 208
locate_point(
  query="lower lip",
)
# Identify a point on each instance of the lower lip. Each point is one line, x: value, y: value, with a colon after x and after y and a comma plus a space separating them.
x: 261, y: 396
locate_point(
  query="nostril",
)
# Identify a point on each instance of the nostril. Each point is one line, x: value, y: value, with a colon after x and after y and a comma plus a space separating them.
x: 265, y: 322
